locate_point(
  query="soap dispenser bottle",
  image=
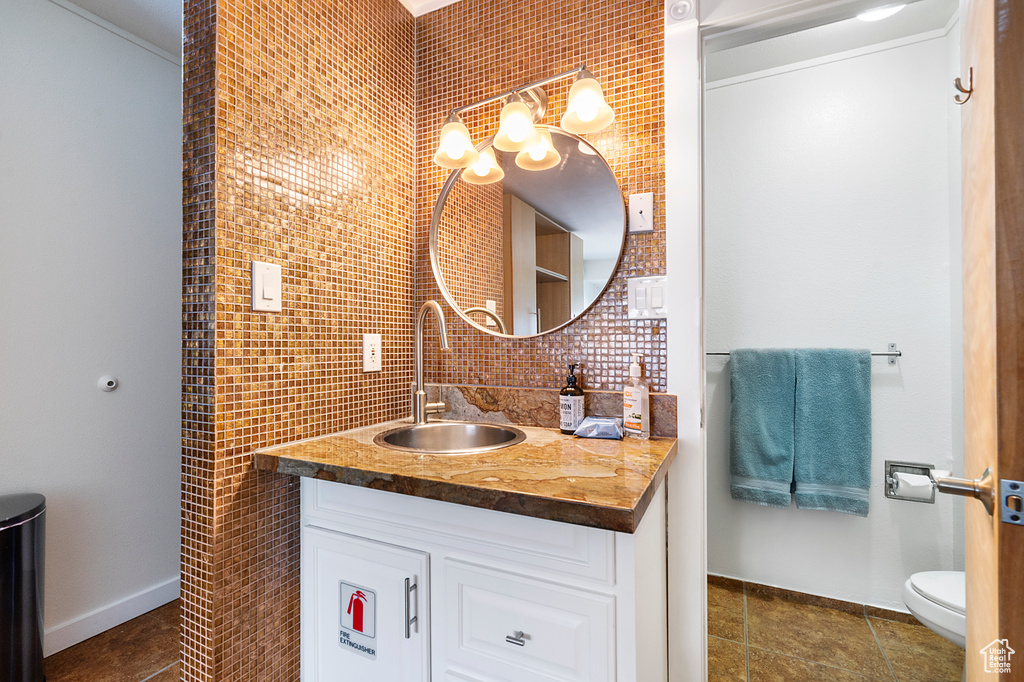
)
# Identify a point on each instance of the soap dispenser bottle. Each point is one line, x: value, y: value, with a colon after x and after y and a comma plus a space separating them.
x: 570, y: 404
x: 636, y: 412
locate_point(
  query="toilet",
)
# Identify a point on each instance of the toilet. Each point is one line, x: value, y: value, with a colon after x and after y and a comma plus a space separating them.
x: 939, y: 600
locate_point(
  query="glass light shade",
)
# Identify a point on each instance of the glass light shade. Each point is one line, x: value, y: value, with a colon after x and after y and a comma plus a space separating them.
x: 586, y: 111
x: 456, y: 148
x: 516, y: 131
x: 485, y: 171
x: 541, y: 156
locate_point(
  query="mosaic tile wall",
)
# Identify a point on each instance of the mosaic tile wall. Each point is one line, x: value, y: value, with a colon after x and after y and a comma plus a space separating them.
x: 478, y: 48
x: 471, y: 251
x: 298, y: 151
x: 198, y: 348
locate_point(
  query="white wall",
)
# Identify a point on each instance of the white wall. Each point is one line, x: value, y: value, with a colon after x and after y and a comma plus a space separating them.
x: 90, y: 234
x: 956, y: 291
x: 827, y: 224
x: 687, y: 561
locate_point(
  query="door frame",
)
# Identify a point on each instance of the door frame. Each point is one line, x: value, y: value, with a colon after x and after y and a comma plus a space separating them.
x: 685, y: 37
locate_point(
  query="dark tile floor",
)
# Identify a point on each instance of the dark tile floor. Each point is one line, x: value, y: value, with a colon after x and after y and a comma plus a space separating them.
x: 758, y: 634
x: 145, y: 649
x: 754, y: 635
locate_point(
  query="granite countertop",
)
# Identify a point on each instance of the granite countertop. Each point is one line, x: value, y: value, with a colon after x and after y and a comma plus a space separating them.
x: 589, y: 482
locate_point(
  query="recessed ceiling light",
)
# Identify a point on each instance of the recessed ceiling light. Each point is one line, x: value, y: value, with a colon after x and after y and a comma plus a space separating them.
x: 879, y: 13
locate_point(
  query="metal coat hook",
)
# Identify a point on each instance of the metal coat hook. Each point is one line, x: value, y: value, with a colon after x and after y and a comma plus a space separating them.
x: 959, y: 86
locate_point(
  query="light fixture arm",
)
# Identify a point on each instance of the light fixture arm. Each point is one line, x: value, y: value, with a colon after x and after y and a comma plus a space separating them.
x: 523, y: 89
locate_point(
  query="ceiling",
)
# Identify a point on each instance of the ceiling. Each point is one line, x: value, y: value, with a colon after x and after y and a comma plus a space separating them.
x: 159, y: 21
x: 828, y: 39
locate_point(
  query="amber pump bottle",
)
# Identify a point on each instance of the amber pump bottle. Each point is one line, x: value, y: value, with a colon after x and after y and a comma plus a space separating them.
x: 570, y: 404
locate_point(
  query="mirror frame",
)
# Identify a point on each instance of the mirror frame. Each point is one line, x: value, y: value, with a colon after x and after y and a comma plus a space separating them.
x: 435, y: 223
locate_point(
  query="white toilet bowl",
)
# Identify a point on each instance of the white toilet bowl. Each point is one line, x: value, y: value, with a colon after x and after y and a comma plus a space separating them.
x: 939, y: 600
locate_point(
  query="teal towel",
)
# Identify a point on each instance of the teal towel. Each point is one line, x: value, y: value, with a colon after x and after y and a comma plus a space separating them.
x: 761, y: 446
x: 832, y: 431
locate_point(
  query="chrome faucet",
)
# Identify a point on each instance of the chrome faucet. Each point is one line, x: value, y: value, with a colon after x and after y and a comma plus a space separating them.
x: 420, y: 407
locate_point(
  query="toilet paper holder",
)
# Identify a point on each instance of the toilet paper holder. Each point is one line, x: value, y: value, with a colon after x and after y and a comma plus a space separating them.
x: 919, y: 468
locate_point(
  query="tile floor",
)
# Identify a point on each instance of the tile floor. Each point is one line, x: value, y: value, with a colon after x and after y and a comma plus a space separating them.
x: 145, y: 649
x: 755, y: 634
x: 759, y: 634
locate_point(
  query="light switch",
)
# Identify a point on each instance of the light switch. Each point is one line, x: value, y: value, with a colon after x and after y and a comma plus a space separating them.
x: 272, y: 285
x: 641, y: 212
x: 657, y: 297
x: 266, y: 287
x: 371, y: 352
x: 493, y: 307
x: 646, y: 298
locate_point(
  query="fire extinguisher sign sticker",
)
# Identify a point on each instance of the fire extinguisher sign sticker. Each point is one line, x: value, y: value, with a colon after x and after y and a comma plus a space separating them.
x: 359, y: 620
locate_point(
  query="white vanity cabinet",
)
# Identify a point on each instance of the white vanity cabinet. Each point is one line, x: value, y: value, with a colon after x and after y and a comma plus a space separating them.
x: 367, y: 598
x: 499, y: 597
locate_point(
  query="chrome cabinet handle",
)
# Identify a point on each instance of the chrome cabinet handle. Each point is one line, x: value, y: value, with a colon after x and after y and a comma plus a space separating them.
x: 408, y: 621
x: 979, y: 488
x: 516, y: 638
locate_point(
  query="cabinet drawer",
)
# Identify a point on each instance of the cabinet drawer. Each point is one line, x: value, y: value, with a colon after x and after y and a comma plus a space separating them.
x: 566, y: 634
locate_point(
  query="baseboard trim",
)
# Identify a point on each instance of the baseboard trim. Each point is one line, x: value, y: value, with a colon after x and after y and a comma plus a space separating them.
x: 93, y: 623
x: 867, y: 610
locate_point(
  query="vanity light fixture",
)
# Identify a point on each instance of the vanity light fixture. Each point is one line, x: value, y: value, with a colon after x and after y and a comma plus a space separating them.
x: 485, y: 171
x: 516, y: 132
x: 541, y: 156
x: 456, y: 148
x: 586, y: 112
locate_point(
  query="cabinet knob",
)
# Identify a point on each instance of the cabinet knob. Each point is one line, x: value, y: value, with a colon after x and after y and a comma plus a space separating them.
x: 517, y: 638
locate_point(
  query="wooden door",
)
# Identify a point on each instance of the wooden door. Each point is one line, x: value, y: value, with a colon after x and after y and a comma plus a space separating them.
x: 993, y: 212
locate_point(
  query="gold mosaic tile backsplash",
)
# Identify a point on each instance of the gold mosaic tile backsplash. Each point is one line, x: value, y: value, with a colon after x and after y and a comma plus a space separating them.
x: 470, y: 246
x: 308, y: 135
x: 474, y: 49
x: 298, y: 151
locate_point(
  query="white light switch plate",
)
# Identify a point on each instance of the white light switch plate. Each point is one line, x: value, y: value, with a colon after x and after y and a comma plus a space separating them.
x: 266, y: 287
x: 641, y: 212
x: 371, y: 352
x: 493, y: 307
x: 648, y: 298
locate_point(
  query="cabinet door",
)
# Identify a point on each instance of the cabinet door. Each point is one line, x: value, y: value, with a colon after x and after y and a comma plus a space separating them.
x: 364, y: 610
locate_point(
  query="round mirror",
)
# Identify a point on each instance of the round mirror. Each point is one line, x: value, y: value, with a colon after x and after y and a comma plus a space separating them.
x: 530, y: 252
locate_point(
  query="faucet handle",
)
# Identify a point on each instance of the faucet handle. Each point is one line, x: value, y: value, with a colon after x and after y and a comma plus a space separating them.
x: 436, y: 408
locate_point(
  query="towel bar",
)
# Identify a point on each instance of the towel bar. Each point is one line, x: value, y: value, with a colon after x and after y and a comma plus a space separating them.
x: 892, y: 353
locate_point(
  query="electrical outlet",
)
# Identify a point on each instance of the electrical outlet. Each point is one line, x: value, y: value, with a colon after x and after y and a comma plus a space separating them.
x: 493, y: 307
x: 371, y: 352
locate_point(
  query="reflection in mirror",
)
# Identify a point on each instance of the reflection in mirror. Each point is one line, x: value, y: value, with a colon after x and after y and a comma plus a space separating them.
x: 535, y: 247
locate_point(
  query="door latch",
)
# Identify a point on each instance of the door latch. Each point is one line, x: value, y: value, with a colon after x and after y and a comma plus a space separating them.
x: 1011, y: 502
x: 979, y: 488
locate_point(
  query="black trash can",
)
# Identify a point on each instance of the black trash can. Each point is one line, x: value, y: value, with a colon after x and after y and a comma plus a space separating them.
x: 22, y: 545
